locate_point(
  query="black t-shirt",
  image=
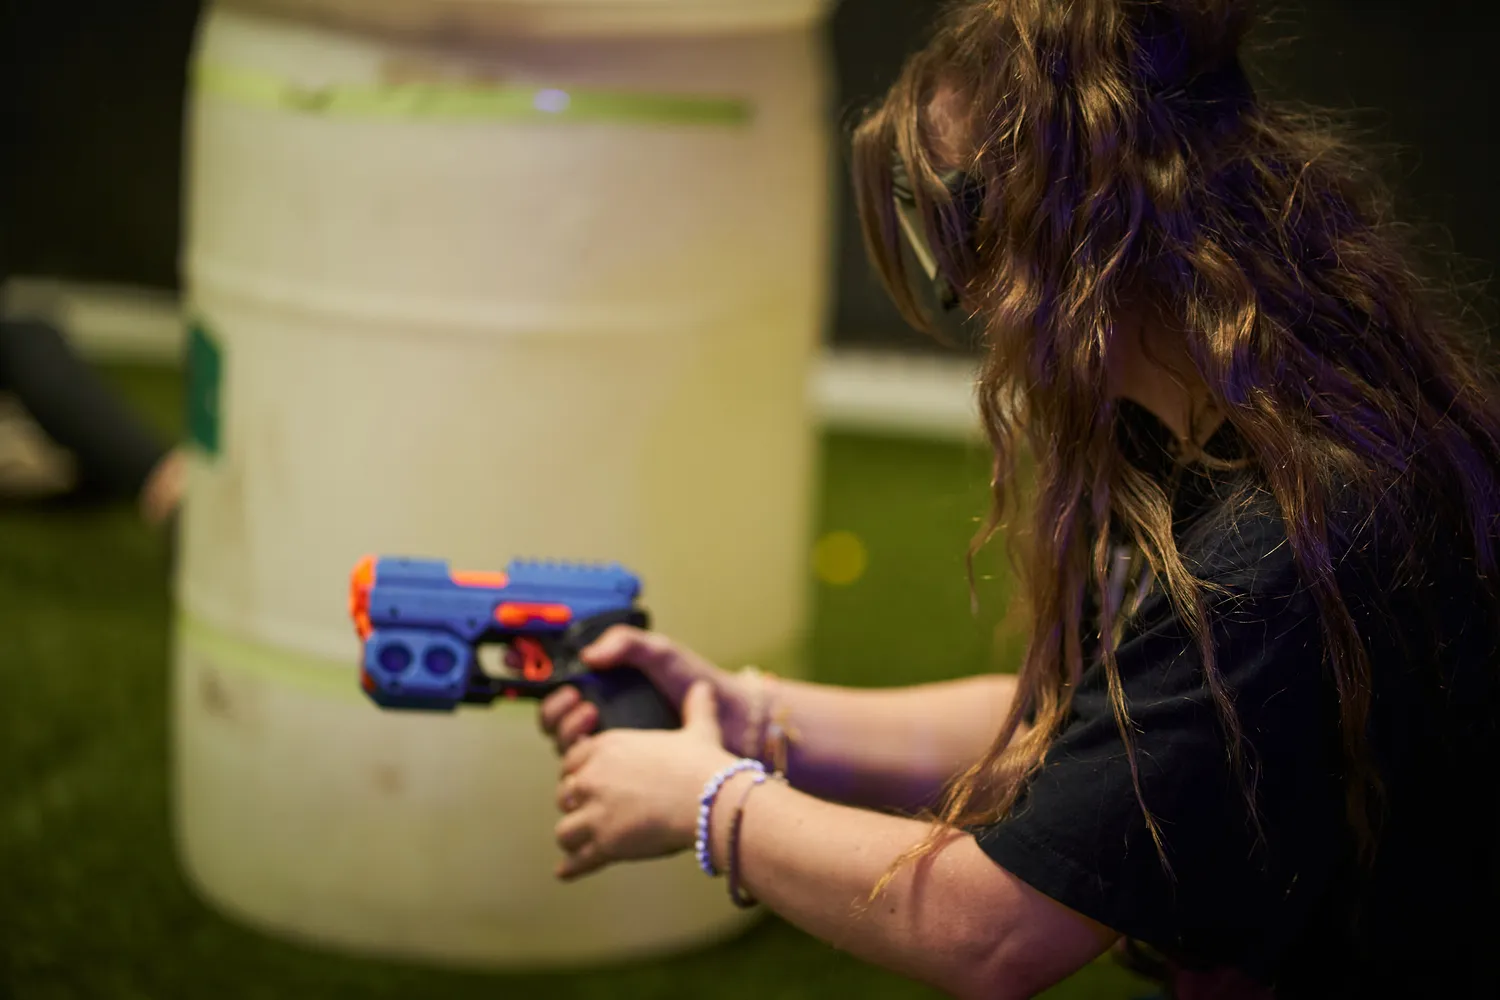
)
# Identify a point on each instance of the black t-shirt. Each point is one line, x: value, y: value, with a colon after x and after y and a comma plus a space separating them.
x: 1294, y: 910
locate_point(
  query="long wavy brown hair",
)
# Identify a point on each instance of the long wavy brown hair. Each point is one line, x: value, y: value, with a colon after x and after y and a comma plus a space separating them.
x: 1124, y: 157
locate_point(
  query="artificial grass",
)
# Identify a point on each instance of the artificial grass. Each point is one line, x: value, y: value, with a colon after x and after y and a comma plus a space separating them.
x: 92, y: 903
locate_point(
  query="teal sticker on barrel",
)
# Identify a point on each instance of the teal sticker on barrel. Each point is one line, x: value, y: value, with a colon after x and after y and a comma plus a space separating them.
x: 205, y: 368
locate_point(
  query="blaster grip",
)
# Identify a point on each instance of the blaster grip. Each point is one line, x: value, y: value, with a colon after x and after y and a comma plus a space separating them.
x: 627, y: 699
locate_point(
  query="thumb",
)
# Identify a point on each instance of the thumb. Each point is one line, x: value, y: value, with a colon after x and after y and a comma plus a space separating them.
x: 700, y: 710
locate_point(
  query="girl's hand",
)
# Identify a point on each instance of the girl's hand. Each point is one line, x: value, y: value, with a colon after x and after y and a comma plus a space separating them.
x: 566, y: 717
x: 629, y: 794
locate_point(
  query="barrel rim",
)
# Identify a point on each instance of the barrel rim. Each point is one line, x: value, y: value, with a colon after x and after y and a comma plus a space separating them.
x: 478, y: 20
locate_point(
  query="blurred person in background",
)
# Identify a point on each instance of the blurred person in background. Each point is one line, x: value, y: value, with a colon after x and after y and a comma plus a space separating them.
x: 1252, y: 741
x: 92, y: 448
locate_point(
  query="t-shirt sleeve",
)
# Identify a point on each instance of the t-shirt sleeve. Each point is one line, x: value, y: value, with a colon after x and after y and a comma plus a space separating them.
x: 1078, y: 833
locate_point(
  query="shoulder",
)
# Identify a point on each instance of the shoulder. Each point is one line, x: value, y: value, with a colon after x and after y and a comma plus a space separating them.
x: 1239, y: 551
x: 1378, y: 539
x: 1242, y: 542
x: 1242, y: 546
x: 1262, y: 621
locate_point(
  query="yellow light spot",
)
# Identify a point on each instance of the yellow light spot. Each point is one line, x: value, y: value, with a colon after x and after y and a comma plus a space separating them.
x: 839, y: 558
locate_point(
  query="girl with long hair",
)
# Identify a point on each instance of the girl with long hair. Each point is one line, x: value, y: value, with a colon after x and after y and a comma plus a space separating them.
x: 1250, y: 468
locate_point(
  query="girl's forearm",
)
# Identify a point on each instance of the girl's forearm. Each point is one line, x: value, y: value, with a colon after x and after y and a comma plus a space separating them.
x: 955, y: 921
x: 892, y: 748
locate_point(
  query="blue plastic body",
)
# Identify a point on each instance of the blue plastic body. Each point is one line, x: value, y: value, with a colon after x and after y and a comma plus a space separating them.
x: 421, y: 625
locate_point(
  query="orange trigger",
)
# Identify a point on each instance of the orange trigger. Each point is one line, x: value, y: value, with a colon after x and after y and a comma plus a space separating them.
x: 536, y: 665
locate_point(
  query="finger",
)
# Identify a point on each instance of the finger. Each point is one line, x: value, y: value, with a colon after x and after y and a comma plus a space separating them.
x: 588, y: 858
x: 555, y: 706
x: 569, y: 794
x: 624, y: 644
x: 578, y: 723
x: 577, y: 755
x: 612, y: 647
x: 700, y: 710
x: 575, y: 831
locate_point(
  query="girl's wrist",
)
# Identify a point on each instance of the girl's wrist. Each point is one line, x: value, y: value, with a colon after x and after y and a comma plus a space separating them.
x: 744, y: 724
x: 727, y: 837
x: 687, y: 826
x: 709, y: 808
x: 760, y: 727
x: 731, y: 796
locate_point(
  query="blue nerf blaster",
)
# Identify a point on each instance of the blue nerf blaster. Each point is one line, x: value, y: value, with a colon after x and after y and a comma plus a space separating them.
x: 434, y: 637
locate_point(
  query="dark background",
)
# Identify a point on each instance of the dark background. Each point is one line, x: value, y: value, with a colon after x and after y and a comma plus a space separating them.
x: 93, y: 92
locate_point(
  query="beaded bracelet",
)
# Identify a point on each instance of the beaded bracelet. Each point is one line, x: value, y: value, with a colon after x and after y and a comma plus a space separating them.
x: 703, y: 846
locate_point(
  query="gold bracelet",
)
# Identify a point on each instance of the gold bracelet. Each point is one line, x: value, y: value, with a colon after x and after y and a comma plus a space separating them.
x: 753, y: 742
x: 780, y: 735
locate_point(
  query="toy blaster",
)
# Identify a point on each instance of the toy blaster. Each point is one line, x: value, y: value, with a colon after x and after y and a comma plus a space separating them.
x: 434, y: 637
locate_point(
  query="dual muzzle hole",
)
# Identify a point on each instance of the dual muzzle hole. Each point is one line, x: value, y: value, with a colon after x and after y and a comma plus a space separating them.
x: 397, y: 658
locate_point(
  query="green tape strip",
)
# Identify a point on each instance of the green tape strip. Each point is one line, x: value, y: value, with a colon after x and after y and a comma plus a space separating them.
x: 340, y: 681
x: 452, y: 101
x: 315, y: 675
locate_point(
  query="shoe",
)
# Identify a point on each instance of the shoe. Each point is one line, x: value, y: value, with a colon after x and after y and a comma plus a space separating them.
x: 33, y: 470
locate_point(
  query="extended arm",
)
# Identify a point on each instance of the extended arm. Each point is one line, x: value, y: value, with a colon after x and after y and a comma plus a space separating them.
x: 956, y: 921
x: 891, y: 747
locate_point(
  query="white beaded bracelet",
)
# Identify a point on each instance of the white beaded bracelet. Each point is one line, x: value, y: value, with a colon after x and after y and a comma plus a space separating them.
x: 706, y: 805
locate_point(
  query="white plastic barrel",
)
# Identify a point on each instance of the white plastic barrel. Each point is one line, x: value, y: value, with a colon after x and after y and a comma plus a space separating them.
x: 431, y: 320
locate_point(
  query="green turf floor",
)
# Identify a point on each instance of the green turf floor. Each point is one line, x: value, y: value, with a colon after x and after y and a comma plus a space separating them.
x: 92, y: 904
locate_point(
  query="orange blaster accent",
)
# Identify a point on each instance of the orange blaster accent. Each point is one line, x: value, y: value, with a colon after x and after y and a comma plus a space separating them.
x: 536, y: 665
x: 480, y: 578
x: 360, y: 582
x: 517, y: 615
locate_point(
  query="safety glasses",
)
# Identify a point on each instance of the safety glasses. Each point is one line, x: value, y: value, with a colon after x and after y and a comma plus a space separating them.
x: 932, y: 290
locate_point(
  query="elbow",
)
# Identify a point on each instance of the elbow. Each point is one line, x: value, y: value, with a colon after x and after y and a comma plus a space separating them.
x: 983, y: 988
x: 1012, y: 963
x: 996, y: 937
x: 1016, y: 966
x: 988, y: 969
